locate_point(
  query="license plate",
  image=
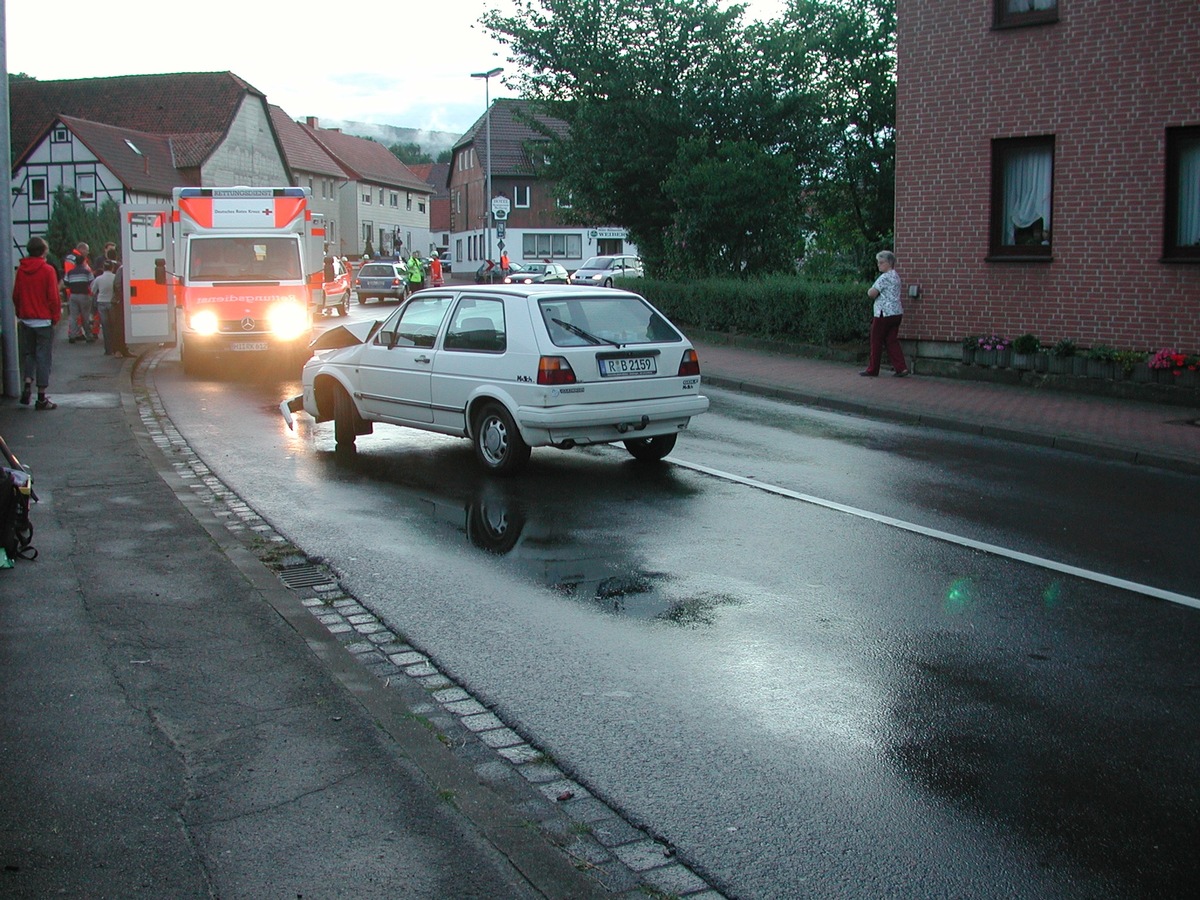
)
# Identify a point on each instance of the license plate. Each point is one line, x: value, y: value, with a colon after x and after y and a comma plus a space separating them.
x: 634, y: 365
x: 244, y: 346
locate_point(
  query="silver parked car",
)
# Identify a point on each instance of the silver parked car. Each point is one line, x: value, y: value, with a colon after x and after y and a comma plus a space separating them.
x: 509, y: 367
x: 603, y: 270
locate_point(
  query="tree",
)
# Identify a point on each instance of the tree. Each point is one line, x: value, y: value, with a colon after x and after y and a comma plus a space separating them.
x: 670, y: 103
x: 848, y: 51
x: 636, y: 81
x: 72, y: 220
x: 410, y: 153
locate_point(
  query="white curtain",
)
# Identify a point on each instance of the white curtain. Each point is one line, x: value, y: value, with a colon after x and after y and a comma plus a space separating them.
x: 1020, y: 6
x: 1026, y: 190
x: 1188, y: 232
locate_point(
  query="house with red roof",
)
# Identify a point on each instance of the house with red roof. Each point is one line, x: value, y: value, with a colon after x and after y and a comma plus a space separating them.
x: 133, y: 138
x: 383, y: 202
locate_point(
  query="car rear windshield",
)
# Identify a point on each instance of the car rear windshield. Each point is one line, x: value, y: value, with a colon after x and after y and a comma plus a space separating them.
x: 609, y: 319
x: 376, y: 271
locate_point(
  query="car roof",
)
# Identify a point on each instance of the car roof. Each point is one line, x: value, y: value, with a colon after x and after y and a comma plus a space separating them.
x: 539, y: 291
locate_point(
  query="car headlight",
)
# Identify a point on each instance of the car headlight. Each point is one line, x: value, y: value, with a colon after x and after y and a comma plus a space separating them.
x: 205, y: 321
x: 288, y: 319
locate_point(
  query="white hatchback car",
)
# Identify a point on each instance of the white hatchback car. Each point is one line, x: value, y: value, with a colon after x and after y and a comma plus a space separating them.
x: 510, y: 367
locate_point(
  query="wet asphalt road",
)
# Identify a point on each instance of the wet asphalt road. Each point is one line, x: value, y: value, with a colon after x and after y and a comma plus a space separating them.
x: 806, y: 701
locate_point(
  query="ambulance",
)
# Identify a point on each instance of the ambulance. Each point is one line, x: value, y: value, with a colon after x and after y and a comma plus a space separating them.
x: 225, y: 273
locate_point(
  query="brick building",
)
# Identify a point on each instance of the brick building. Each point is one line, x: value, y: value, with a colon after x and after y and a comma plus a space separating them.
x: 1048, y: 170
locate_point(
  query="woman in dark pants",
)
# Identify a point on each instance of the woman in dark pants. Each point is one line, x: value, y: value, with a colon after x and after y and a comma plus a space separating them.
x: 886, y: 316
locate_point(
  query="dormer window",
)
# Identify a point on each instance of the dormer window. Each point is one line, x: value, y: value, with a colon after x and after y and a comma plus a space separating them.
x: 60, y: 135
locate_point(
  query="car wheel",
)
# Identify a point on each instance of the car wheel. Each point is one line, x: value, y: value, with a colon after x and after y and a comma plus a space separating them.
x: 651, y: 449
x: 499, y: 447
x: 344, y: 415
x: 608, y: 282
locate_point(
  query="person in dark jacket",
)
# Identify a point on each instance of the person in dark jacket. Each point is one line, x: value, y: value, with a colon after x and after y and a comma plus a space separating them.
x: 38, y: 307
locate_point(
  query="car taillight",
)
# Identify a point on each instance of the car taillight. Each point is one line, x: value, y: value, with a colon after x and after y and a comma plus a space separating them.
x: 555, y: 370
x: 690, y: 364
x: 395, y: 282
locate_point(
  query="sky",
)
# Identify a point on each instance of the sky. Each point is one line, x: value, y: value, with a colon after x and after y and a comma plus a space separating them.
x: 411, y: 69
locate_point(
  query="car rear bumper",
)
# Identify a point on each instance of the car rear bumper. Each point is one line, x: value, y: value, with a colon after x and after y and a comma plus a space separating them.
x: 602, y: 423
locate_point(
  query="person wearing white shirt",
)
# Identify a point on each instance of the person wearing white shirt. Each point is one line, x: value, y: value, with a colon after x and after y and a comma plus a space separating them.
x: 887, y: 313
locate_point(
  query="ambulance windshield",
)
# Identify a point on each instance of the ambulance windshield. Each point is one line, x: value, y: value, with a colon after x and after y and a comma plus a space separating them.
x: 244, y: 259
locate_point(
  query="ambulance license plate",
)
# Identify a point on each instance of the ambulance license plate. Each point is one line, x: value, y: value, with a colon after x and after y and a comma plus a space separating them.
x: 247, y: 346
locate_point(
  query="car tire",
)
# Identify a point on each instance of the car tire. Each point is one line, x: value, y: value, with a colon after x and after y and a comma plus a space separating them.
x: 608, y: 282
x: 651, y: 449
x: 499, y: 447
x: 344, y: 416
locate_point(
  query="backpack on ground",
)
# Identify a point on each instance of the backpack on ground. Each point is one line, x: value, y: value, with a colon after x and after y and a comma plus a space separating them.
x: 16, y: 529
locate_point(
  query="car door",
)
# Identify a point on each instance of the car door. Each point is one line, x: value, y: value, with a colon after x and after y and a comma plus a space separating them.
x: 394, y: 369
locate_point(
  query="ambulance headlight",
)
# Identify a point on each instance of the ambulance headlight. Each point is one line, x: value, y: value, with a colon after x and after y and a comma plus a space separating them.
x: 288, y: 319
x: 205, y: 322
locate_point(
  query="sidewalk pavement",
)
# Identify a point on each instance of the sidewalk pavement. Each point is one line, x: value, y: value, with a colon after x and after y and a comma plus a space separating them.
x: 169, y: 733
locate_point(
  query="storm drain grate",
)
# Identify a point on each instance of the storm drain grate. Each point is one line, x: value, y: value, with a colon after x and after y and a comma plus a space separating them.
x: 305, y: 576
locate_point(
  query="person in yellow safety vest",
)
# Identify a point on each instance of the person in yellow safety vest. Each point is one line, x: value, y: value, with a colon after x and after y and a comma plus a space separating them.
x: 416, y: 273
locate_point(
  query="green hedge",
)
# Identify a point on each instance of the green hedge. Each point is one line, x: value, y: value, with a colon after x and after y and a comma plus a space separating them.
x: 780, y: 307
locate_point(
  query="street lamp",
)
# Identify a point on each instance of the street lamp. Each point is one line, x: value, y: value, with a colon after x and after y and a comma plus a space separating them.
x: 487, y: 102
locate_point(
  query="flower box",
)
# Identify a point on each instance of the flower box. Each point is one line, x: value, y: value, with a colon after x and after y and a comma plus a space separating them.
x: 986, y: 358
x: 1060, y: 365
x: 1024, y: 362
x: 1100, y: 368
x: 1079, y: 365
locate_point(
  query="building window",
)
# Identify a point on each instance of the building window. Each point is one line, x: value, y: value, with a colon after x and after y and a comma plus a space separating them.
x: 521, y: 196
x: 408, y: 202
x: 38, y: 192
x: 366, y: 196
x: 1011, y: 13
x: 1022, y: 193
x: 420, y: 206
x: 60, y: 135
x: 565, y: 202
x: 381, y: 196
x: 85, y: 187
x: 394, y: 200
x: 1182, y: 231
x: 368, y: 228
x: 551, y: 246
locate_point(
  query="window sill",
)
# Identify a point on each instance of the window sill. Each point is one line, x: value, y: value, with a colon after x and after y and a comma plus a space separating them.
x: 1019, y: 259
x: 1026, y: 21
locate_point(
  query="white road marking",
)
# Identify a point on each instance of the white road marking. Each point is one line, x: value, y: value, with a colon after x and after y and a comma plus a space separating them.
x: 994, y: 549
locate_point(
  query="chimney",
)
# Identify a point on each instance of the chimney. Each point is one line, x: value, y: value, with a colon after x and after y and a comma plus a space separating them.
x: 311, y: 121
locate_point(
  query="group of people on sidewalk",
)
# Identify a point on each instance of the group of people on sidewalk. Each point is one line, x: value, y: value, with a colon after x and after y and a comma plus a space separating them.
x: 38, y: 295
